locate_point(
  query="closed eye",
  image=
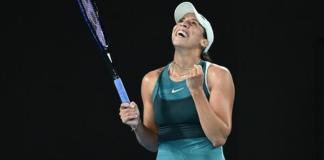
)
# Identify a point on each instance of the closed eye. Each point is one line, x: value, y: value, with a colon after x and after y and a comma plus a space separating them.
x: 194, y: 23
x: 180, y: 20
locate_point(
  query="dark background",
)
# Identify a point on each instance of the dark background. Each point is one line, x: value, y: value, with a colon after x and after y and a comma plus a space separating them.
x: 63, y: 97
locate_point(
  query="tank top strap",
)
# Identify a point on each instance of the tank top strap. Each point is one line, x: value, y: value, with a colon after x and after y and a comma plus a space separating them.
x: 156, y: 85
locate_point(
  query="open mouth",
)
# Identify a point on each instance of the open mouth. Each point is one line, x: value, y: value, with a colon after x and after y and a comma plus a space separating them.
x: 182, y: 34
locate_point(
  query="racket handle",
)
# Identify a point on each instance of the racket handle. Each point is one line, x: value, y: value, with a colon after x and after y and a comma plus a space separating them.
x: 121, y: 90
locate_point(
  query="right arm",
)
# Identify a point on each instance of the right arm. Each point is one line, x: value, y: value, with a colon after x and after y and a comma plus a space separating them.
x: 147, y: 131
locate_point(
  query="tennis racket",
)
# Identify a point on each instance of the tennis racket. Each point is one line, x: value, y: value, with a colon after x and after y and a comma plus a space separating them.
x: 90, y: 14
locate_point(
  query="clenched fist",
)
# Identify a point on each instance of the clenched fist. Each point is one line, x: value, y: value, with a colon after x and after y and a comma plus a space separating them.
x: 195, y: 78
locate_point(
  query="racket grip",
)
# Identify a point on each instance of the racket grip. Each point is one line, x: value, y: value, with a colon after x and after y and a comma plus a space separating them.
x: 121, y: 91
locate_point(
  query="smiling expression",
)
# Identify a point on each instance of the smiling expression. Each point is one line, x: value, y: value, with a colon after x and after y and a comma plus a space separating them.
x: 188, y: 33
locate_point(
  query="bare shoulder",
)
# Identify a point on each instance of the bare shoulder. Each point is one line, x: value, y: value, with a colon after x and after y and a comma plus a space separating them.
x: 218, y: 70
x: 218, y: 74
x: 149, y: 81
x: 152, y: 76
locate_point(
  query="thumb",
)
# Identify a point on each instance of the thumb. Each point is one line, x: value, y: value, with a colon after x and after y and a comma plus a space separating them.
x: 133, y: 105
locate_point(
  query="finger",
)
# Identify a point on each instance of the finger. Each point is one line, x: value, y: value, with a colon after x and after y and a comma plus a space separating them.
x: 130, y: 113
x: 124, y: 105
x: 128, y: 118
x: 199, y: 70
x: 127, y: 111
x: 189, y: 76
x: 123, y: 113
x: 133, y: 105
x: 123, y: 109
x: 193, y: 72
x: 196, y: 69
x: 132, y: 116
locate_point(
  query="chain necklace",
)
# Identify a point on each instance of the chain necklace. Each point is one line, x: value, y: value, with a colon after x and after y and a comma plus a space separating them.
x: 182, y: 68
x: 179, y: 76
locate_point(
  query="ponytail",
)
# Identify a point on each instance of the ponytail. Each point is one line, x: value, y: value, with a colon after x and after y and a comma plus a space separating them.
x: 205, y: 57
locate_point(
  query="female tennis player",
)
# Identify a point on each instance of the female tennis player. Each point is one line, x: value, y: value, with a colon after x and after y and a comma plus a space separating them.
x: 188, y: 103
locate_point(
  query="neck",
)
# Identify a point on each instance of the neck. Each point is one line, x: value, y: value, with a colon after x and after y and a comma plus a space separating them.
x: 185, y: 59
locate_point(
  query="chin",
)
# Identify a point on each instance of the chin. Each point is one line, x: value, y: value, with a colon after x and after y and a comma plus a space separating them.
x: 178, y: 45
x: 178, y: 42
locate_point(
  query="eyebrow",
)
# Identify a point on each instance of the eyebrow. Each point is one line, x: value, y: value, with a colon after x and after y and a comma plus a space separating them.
x: 181, y: 19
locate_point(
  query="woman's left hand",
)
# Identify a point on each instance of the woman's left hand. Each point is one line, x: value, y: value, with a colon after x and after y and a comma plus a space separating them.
x: 195, y: 79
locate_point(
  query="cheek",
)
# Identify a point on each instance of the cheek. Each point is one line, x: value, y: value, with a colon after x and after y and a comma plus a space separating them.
x: 198, y: 35
x: 174, y: 28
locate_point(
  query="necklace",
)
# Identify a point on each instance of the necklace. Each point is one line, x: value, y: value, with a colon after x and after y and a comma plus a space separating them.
x: 179, y: 76
x: 182, y: 68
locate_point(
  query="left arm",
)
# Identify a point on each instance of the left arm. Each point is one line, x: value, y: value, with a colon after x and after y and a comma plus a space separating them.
x: 215, y: 115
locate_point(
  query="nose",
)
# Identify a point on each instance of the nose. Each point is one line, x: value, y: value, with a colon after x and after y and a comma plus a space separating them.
x: 184, y: 24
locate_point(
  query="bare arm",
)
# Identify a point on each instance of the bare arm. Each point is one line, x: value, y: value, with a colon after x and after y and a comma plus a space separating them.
x: 215, y: 115
x: 146, y: 132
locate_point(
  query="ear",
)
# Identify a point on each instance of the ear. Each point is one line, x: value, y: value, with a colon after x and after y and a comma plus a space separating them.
x: 204, y: 43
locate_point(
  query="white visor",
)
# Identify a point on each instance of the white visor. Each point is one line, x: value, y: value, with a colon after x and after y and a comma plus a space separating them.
x: 187, y: 7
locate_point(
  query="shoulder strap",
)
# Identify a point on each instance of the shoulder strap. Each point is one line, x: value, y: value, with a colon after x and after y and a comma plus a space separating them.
x: 206, y: 75
x: 157, y: 83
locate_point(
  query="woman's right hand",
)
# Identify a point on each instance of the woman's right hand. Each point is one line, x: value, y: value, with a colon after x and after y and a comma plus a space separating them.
x: 130, y: 115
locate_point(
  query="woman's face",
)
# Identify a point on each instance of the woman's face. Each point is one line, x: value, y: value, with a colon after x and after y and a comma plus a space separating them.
x: 188, y: 33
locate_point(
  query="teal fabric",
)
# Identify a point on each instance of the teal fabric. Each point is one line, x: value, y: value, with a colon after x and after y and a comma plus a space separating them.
x: 189, y: 149
x: 180, y: 134
x: 175, y: 113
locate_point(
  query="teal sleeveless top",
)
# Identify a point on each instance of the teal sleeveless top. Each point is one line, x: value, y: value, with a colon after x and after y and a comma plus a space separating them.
x: 174, y: 109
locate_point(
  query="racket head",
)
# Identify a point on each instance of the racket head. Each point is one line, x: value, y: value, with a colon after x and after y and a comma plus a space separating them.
x: 91, y: 17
